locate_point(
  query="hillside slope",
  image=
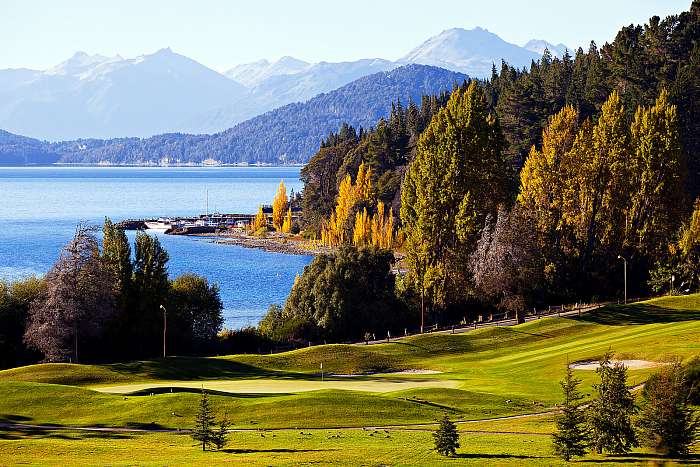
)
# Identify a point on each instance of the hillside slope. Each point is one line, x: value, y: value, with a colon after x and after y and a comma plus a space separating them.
x: 290, y: 134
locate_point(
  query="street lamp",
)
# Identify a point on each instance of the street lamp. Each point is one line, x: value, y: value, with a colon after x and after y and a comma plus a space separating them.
x: 165, y: 326
x: 623, y: 259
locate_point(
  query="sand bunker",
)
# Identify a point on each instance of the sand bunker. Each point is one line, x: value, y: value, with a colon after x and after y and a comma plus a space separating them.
x: 390, y: 373
x: 631, y: 364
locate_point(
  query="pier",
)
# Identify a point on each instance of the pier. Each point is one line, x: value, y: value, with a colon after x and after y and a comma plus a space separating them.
x: 204, y: 223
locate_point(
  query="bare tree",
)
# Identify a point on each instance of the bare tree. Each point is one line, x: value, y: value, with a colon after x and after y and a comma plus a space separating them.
x: 79, y: 298
x: 505, y: 265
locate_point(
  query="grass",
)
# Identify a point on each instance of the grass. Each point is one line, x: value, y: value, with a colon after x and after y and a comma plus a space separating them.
x: 485, y: 373
x: 290, y: 448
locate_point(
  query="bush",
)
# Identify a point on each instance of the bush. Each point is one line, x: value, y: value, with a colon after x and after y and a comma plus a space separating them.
x: 245, y: 340
x: 338, y: 298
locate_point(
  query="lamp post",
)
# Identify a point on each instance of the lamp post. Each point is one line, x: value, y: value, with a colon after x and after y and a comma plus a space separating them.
x: 165, y: 326
x: 625, y: 261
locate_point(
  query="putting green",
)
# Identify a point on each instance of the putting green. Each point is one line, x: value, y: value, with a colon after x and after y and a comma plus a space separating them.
x: 282, y: 386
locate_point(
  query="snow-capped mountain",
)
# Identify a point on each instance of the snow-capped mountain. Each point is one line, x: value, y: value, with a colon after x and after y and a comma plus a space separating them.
x: 251, y: 74
x: 538, y: 46
x: 96, y: 96
x: 472, y: 51
x: 105, y: 97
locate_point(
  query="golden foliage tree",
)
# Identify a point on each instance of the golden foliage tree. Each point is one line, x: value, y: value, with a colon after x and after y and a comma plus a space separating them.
x: 279, y: 206
x: 260, y: 220
x: 336, y: 229
x: 657, y: 162
x: 287, y: 223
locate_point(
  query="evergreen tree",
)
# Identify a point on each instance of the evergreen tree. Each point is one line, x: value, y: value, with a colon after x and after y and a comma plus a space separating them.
x: 204, y: 423
x: 571, y: 437
x: 116, y: 254
x: 667, y: 423
x: 446, y: 437
x: 610, y: 413
x: 152, y: 287
x: 220, y: 436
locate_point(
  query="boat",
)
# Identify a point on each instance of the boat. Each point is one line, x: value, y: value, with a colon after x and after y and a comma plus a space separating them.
x: 161, y: 225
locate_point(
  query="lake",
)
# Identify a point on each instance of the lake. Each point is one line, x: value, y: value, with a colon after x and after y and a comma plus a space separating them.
x: 40, y: 207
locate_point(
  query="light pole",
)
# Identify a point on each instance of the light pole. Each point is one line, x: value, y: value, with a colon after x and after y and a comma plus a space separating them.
x: 165, y: 326
x: 623, y: 259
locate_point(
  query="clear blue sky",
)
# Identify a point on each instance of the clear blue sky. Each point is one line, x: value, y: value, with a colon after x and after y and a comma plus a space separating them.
x: 220, y: 33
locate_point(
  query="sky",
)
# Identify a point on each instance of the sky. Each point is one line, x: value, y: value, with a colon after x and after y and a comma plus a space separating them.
x: 39, y: 34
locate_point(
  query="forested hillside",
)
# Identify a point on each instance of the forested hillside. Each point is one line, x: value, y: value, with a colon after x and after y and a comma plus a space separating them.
x: 290, y: 134
x: 609, y: 144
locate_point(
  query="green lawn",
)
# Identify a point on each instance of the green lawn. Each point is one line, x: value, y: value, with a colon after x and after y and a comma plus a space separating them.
x: 484, y: 373
x: 289, y: 448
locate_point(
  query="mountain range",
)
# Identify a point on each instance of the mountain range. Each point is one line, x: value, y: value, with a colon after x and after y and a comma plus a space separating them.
x: 289, y: 134
x: 94, y: 96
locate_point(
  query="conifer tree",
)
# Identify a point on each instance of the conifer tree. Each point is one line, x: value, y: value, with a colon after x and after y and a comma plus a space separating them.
x: 610, y: 413
x: 220, y: 436
x: 204, y: 423
x: 279, y: 206
x: 571, y: 437
x: 667, y: 423
x: 446, y: 437
x: 116, y: 254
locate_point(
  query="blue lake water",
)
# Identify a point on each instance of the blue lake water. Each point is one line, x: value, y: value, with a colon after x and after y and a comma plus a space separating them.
x: 40, y: 207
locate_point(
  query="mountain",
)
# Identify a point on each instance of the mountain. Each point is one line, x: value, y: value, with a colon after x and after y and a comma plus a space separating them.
x: 250, y: 74
x: 20, y: 150
x: 96, y: 96
x: 280, y: 87
x: 537, y: 46
x: 290, y: 134
x: 473, y: 52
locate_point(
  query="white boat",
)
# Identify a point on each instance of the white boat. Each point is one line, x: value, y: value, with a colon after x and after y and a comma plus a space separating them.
x: 161, y: 225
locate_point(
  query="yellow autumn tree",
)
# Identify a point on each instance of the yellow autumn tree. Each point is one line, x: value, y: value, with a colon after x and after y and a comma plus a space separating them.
x: 287, y: 223
x: 362, y: 233
x: 260, y: 220
x: 334, y: 229
x: 383, y: 227
x: 279, y: 206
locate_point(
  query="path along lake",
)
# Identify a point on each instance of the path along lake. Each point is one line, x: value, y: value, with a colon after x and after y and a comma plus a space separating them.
x: 40, y: 207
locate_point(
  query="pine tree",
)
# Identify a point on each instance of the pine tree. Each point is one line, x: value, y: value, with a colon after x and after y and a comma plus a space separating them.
x: 667, y: 423
x: 279, y: 206
x: 220, y: 436
x: 610, y: 413
x: 446, y: 437
x: 116, y: 254
x: 204, y: 423
x: 571, y: 437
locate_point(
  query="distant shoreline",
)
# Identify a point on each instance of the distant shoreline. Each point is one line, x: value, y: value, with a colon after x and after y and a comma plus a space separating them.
x: 274, y: 243
x: 162, y: 166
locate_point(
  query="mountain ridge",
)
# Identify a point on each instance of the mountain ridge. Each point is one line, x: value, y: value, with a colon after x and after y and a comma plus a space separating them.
x: 95, y: 96
x: 290, y: 134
